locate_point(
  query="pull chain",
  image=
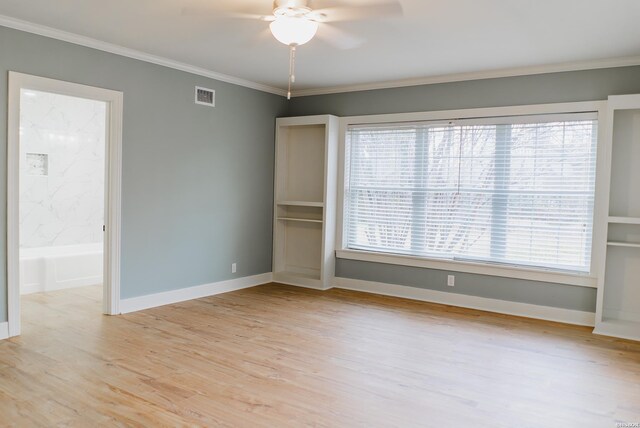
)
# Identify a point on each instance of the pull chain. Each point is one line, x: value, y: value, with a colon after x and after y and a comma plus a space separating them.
x: 459, y: 161
x: 292, y: 68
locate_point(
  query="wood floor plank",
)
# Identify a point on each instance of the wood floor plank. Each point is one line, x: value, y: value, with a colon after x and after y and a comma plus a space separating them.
x: 282, y: 356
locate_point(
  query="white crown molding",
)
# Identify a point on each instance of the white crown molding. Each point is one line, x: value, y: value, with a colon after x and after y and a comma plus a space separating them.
x: 134, y: 304
x: 490, y: 74
x: 29, y: 27
x: 519, y: 309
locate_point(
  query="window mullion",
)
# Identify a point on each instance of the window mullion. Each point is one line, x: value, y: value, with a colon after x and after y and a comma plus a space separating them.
x: 500, y: 198
x: 419, y: 197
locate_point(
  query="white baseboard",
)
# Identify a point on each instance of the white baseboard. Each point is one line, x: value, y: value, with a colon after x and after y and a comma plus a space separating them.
x: 4, y: 330
x: 174, y: 296
x: 547, y: 313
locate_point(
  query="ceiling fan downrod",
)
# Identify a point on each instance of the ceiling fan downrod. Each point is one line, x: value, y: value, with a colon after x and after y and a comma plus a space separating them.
x: 292, y: 66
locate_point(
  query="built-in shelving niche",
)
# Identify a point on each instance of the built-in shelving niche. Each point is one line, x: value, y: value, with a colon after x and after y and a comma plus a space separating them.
x: 300, y: 160
x: 624, y: 195
x: 618, y: 311
x: 305, y: 200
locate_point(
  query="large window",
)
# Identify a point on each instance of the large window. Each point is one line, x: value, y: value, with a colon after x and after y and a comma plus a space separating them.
x: 513, y: 190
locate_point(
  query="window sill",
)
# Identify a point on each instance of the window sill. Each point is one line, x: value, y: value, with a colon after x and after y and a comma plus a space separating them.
x: 470, y: 267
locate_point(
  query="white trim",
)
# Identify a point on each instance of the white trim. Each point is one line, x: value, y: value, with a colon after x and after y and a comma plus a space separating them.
x: 533, y: 274
x: 134, y: 304
x: 479, y: 113
x: 601, y: 203
x: 624, y: 102
x: 546, y: 313
x: 603, y: 187
x: 515, y: 272
x: 4, y: 330
x: 29, y: 27
x: 113, y: 191
x: 113, y: 208
x: 478, y: 75
x: 13, y: 214
x: 319, y: 119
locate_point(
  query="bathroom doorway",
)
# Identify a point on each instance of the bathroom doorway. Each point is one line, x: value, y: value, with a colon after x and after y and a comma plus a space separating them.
x: 63, y: 191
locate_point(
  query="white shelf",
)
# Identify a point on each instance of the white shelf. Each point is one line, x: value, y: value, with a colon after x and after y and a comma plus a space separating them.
x: 301, y: 203
x: 623, y: 244
x: 624, y: 220
x: 304, y: 220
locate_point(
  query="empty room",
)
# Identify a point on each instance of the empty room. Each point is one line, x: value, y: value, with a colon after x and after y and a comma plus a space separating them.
x: 328, y: 213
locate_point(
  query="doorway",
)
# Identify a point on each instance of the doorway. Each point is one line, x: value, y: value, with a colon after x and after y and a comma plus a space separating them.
x: 64, y: 158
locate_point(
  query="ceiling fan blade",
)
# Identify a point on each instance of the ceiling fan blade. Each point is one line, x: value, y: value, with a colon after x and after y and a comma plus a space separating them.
x: 339, y: 38
x: 388, y: 9
x: 222, y: 14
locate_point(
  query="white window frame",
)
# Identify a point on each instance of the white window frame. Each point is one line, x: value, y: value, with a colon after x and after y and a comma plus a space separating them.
x: 486, y: 268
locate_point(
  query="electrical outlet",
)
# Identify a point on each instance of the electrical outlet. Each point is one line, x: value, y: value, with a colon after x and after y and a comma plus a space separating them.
x: 451, y: 280
x: 233, y: 267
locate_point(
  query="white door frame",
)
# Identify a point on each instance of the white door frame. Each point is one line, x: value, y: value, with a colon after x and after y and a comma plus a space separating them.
x: 113, y: 193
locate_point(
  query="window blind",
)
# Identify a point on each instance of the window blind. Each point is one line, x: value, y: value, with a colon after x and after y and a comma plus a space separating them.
x: 513, y: 190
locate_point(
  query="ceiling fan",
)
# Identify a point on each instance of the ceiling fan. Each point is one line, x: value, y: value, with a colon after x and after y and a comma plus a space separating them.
x: 295, y: 22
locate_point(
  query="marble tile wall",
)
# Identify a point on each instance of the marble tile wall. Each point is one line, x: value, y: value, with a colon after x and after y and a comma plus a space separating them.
x: 62, y: 149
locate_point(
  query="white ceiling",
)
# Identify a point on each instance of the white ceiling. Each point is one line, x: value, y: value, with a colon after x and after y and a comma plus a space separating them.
x: 434, y: 37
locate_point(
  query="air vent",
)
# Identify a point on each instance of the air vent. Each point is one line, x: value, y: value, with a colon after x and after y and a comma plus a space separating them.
x: 205, y: 97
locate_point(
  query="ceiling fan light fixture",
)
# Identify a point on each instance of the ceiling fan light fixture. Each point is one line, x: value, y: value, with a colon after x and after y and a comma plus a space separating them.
x: 294, y: 31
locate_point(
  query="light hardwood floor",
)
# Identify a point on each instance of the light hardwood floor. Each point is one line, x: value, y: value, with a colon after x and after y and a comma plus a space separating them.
x: 279, y: 356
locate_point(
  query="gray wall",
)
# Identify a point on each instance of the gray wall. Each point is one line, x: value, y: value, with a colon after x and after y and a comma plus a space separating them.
x: 197, y: 181
x: 545, y: 88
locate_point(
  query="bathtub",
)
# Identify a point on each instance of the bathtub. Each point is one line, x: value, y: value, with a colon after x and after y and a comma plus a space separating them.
x: 55, y: 268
